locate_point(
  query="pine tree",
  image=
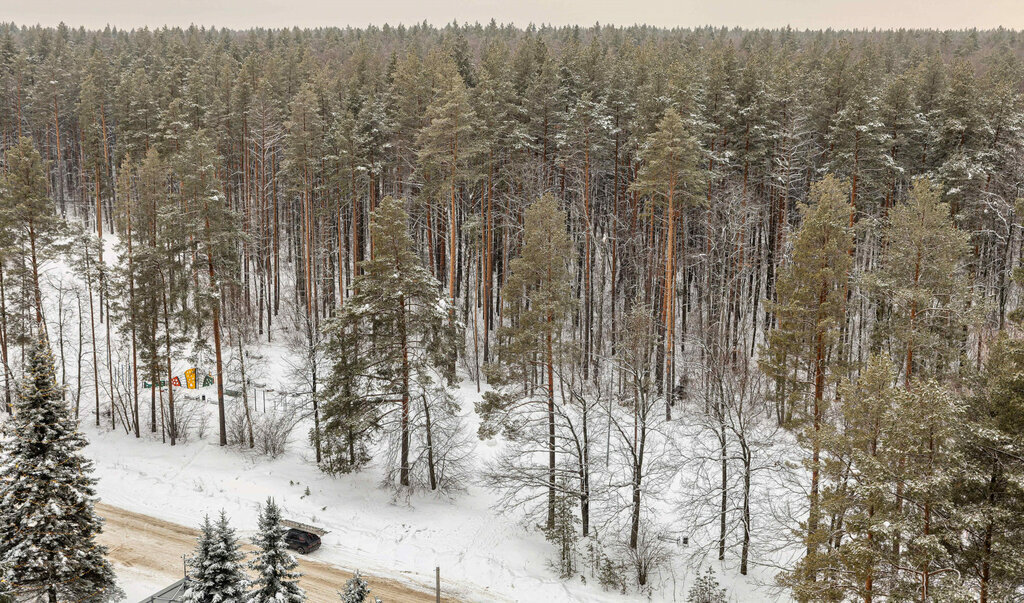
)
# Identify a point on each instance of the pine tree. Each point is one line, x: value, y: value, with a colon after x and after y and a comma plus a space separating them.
x: 398, y: 319
x: 26, y: 204
x: 409, y: 94
x: 275, y: 579
x: 961, y: 128
x: 447, y: 151
x: 357, y: 590
x: 303, y: 150
x: 218, y: 568
x: 92, y: 109
x: 926, y: 419
x: 136, y: 114
x: 989, y: 499
x: 216, y: 241
x: 801, y: 350
x: 671, y: 174
x: 538, y: 297
x: 293, y: 137
x: 858, y: 444
x: 922, y: 273
x: 49, y: 526
x: 501, y: 137
x: 158, y: 266
x: 858, y: 144
x: 581, y: 145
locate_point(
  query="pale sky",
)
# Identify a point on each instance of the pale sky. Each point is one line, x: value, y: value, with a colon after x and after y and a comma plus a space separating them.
x: 813, y: 14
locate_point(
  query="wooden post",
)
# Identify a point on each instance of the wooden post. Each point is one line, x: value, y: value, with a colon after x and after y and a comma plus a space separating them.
x: 437, y: 584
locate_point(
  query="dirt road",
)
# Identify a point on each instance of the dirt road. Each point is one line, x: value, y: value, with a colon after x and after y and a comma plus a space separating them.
x: 141, y: 541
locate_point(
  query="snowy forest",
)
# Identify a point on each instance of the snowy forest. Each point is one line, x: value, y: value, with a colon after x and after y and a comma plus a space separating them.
x: 673, y: 298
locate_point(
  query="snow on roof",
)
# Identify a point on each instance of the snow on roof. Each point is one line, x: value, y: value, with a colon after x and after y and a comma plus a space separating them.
x: 172, y: 594
x: 304, y: 527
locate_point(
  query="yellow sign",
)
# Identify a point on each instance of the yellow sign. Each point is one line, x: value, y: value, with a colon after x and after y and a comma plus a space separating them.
x: 190, y: 378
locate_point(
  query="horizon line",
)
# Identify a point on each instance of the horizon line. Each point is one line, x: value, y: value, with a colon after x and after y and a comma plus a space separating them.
x: 504, y: 24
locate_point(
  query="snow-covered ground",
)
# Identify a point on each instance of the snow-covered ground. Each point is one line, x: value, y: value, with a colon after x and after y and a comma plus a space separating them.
x: 484, y: 555
x: 138, y: 583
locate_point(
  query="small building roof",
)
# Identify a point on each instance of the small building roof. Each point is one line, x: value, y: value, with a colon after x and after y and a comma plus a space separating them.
x: 174, y: 593
x: 304, y: 527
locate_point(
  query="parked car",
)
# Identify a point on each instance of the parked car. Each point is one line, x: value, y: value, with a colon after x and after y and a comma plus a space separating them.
x: 301, y: 541
x: 302, y: 538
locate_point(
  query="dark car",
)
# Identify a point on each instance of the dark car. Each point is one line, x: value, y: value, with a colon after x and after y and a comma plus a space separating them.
x: 302, y: 541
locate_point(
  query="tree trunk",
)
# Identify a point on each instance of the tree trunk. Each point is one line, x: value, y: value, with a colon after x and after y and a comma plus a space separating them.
x: 92, y: 326
x: 35, y: 274
x: 132, y: 317
x: 3, y: 345
x: 222, y: 420
x: 245, y: 391
x: 551, y: 429
x: 172, y: 429
x: 745, y: 552
x: 669, y: 299
x: 430, y: 446
x: 723, y: 507
x: 403, y: 335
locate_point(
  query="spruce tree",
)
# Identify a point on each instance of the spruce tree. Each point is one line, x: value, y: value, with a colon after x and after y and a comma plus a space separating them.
x: 275, y: 579
x: 48, y: 524
x: 349, y: 420
x: 218, y: 568
x: 706, y: 589
x: 357, y: 591
x: 8, y: 250
x: 198, y: 587
x: 564, y: 534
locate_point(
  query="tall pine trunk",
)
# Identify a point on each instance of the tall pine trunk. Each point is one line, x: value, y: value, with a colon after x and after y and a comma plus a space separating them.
x: 3, y: 345
x: 222, y: 420
x: 403, y: 336
x: 551, y: 428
